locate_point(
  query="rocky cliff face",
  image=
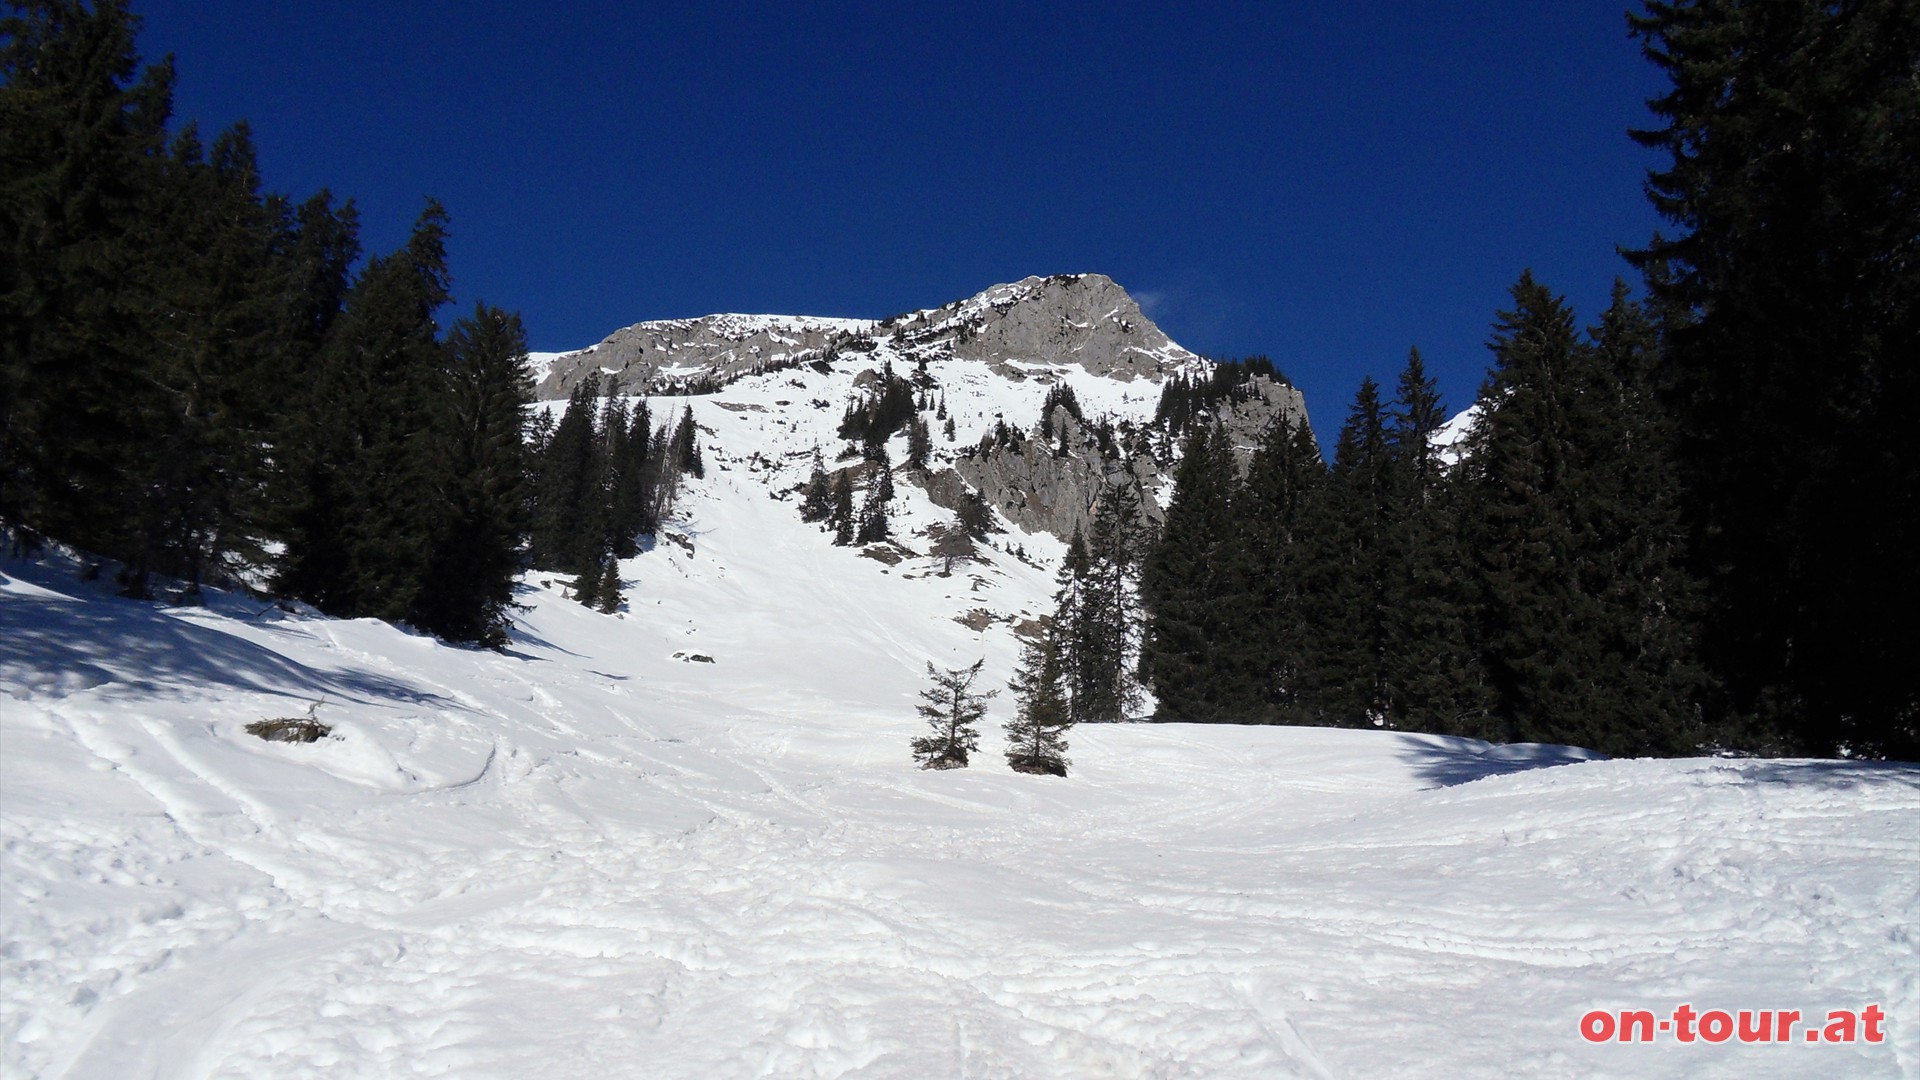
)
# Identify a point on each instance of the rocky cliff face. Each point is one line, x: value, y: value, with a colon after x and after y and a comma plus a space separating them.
x: 1081, y: 319
x: 655, y: 356
x: 1004, y: 348
x: 1052, y: 480
x: 1019, y: 328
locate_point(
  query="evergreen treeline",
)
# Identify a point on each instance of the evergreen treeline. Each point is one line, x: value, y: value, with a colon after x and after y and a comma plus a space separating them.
x: 195, y: 382
x: 1791, y: 305
x: 1532, y: 592
x: 1689, y: 527
x: 603, y: 476
x: 888, y: 406
x: 1185, y: 397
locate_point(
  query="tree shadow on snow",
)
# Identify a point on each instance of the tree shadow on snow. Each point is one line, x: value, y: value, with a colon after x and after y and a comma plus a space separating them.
x: 85, y: 643
x: 1445, y: 761
x: 1826, y: 773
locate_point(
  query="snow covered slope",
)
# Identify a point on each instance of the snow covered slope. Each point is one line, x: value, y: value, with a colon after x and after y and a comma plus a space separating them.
x: 688, y: 841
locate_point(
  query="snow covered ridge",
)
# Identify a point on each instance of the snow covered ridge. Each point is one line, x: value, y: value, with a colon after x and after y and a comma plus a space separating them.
x: 1451, y: 438
x: 588, y: 856
x: 1081, y: 320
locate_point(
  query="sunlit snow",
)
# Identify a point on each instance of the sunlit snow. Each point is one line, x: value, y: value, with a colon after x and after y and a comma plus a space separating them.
x: 595, y: 856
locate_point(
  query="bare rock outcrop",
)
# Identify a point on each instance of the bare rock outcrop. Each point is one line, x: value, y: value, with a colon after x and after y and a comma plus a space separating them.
x: 1086, y: 320
x: 1020, y: 329
x: 653, y: 355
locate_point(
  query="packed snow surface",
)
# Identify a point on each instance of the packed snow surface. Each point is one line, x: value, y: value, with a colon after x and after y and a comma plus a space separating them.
x: 688, y: 840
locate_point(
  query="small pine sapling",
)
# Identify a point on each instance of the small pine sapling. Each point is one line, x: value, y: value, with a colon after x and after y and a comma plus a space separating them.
x: 609, y: 598
x: 1036, y: 740
x: 953, y: 710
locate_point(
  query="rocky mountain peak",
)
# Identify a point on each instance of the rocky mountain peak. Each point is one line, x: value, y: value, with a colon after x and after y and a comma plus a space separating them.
x: 1086, y: 320
x: 1018, y: 329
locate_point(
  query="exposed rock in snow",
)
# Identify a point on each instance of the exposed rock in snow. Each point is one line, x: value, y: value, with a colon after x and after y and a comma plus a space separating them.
x: 1000, y: 351
x: 1020, y: 330
x: 1024, y: 327
x: 650, y: 354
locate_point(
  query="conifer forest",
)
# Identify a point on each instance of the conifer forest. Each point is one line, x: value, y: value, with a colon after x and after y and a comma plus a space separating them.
x: 1683, y: 524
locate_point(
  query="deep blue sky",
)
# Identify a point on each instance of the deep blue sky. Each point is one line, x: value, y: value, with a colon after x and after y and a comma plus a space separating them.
x: 1323, y: 183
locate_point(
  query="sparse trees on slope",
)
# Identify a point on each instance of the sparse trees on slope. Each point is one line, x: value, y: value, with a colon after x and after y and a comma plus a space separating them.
x: 953, y: 710
x: 1104, y: 631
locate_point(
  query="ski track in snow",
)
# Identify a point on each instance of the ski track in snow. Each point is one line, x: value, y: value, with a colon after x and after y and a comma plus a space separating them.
x: 586, y: 857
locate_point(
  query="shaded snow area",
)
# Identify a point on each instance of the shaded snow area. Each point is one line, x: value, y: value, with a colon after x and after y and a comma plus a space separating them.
x: 687, y: 840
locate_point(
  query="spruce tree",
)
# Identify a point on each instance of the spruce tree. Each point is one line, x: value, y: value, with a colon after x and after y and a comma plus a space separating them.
x: 1069, y: 629
x: 1105, y: 643
x: 1521, y: 480
x: 1791, y: 299
x: 587, y: 585
x: 607, y: 592
x: 615, y: 428
x: 1036, y: 736
x: 1432, y: 674
x: 480, y: 543
x: 953, y: 711
x: 573, y: 518
x: 320, y: 243
x: 817, y: 502
x: 665, y: 474
x: 208, y: 318
x: 1346, y: 575
x: 1651, y: 600
x: 841, y: 517
x: 974, y: 515
x: 632, y: 463
x: 873, y: 526
x: 686, y: 445
x: 1572, y: 522
x: 83, y: 134
x: 1272, y: 678
x: 919, y: 443
x: 379, y: 378
x: 1194, y: 609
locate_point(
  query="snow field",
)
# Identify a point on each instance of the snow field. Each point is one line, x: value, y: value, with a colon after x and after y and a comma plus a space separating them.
x: 592, y: 856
